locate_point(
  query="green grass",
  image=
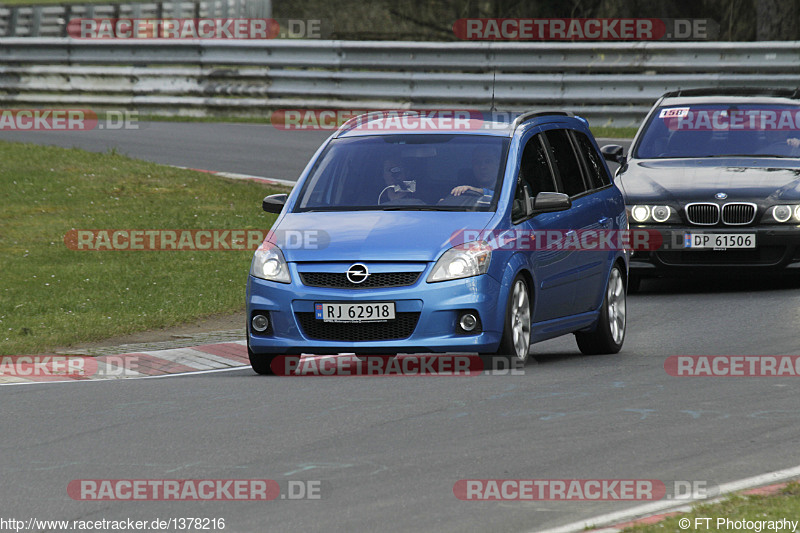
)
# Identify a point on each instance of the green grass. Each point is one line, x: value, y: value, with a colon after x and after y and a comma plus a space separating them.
x: 614, y: 133
x: 52, y: 296
x: 238, y: 120
x: 786, y: 504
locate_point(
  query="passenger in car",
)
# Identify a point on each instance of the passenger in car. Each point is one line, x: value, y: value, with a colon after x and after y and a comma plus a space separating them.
x: 394, y: 173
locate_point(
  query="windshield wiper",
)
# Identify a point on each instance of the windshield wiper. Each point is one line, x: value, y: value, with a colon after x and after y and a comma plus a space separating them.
x: 333, y: 209
x: 422, y: 208
x: 749, y: 155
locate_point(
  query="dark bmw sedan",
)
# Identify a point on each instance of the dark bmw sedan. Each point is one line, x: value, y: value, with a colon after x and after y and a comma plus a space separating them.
x: 717, y: 173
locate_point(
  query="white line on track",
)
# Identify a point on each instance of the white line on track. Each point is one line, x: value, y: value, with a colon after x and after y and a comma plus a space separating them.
x: 649, y: 509
x: 304, y: 357
x: 196, y: 372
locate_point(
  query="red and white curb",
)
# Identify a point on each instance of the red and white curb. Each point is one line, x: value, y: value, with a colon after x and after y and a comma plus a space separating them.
x: 654, y: 512
x: 235, y: 176
x: 15, y: 370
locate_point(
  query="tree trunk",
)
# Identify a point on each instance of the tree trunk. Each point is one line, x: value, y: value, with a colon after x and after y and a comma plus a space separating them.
x: 776, y: 20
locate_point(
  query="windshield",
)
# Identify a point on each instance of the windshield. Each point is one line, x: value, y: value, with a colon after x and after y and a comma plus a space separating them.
x: 407, y: 172
x: 721, y: 130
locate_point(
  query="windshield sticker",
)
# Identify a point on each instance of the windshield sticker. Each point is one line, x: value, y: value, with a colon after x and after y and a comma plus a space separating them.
x: 674, y: 112
x: 735, y: 119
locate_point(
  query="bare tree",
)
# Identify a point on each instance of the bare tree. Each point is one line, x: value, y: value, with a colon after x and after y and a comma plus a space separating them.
x: 776, y: 20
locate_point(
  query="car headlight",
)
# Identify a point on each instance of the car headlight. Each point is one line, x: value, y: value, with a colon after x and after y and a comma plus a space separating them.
x: 783, y: 213
x: 462, y: 261
x: 268, y: 263
x: 652, y: 213
x: 640, y: 213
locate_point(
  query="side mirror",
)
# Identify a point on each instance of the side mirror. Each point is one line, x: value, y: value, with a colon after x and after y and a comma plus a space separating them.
x: 522, y: 207
x: 274, y: 203
x: 548, y: 202
x: 613, y: 152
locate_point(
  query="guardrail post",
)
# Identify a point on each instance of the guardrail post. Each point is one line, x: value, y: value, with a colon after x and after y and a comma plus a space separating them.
x: 36, y: 21
x: 12, y: 22
x: 67, y: 17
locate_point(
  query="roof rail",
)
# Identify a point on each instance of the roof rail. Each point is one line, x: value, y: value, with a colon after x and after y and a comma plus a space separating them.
x: 531, y: 114
x: 734, y: 91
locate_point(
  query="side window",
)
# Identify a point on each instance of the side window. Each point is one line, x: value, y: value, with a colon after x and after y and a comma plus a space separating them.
x: 534, y: 167
x: 565, y: 160
x: 596, y: 171
x: 535, y: 175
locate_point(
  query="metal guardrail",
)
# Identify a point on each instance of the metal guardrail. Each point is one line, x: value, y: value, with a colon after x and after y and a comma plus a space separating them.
x: 609, y: 83
x: 51, y: 20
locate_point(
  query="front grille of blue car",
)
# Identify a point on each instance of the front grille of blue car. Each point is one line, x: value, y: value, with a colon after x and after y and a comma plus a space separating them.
x: 378, y: 280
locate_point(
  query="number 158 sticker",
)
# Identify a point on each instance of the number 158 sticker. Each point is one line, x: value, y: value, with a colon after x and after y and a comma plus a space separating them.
x: 674, y: 112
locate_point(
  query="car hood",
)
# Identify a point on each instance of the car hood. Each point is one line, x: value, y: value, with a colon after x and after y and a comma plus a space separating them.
x: 687, y: 180
x: 373, y: 235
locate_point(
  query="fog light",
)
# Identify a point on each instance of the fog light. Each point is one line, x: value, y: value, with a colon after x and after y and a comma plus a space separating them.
x: 260, y: 323
x: 468, y: 322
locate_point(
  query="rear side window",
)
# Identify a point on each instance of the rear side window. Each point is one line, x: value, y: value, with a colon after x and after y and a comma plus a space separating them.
x: 596, y: 171
x: 565, y: 160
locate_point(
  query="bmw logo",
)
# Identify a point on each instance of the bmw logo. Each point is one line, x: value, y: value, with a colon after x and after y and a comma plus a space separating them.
x: 720, y: 196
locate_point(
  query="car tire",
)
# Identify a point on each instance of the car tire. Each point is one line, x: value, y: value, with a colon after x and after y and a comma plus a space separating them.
x: 515, y: 344
x: 609, y: 333
x: 261, y: 363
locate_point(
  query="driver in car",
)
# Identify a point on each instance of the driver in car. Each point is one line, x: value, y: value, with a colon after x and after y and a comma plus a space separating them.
x: 484, y: 173
x: 778, y: 139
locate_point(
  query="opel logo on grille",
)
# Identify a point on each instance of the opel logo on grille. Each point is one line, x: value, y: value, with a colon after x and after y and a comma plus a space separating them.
x: 720, y: 196
x: 357, y: 273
